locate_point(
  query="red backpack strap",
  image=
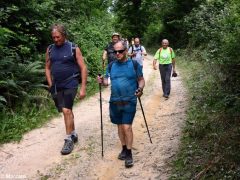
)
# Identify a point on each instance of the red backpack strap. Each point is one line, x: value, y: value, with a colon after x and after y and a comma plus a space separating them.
x: 160, y: 50
x: 171, y: 51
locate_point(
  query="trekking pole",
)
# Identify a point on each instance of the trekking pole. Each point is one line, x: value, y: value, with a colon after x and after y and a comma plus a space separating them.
x: 144, y: 118
x: 100, y: 92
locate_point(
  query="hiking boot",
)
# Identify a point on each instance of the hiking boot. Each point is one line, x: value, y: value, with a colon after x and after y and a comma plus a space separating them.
x: 67, y: 147
x: 129, y: 161
x: 122, y: 155
x: 74, y: 138
x: 166, y: 97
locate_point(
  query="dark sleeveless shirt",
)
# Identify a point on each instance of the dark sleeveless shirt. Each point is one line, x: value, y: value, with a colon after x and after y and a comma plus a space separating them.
x: 63, y: 66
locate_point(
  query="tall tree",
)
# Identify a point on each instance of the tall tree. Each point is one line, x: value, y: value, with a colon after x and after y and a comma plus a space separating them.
x: 130, y: 17
x: 153, y: 19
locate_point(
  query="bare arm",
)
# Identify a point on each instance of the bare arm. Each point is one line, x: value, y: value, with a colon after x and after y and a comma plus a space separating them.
x: 105, y: 81
x: 102, y: 80
x: 154, y: 64
x: 141, y: 84
x: 144, y: 52
x: 48, y: 69
x: 174, y: 63
x: 104, y: 57
x: 83, y: 69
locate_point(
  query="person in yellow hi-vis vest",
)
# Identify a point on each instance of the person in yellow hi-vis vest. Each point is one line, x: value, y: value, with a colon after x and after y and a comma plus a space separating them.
x: 166, y: 58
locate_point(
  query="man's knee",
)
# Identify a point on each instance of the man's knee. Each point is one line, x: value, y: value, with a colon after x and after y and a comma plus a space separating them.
x: 127, y: 128
x: 67, y: 111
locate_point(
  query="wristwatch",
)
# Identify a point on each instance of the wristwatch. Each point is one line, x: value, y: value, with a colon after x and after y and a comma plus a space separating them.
x: 140, y: 89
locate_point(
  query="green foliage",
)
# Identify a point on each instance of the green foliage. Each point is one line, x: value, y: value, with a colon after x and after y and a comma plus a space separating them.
x: 94, y: 36
x: 23, y: 44
x: 219, y: 35
x: 210, y: 139
x: 131, y: 18
x: 28, y: 116
x: 210, y: 146
x: 154, y: 20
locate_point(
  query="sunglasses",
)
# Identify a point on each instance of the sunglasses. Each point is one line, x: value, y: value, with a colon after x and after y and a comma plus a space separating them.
x: 119, y: 51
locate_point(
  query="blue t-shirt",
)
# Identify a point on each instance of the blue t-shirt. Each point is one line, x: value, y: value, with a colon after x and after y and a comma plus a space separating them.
x: 123, y: 80
x: 63, y: 66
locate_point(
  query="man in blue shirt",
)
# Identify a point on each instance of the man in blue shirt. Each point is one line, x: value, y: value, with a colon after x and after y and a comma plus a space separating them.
x: 127, y: 84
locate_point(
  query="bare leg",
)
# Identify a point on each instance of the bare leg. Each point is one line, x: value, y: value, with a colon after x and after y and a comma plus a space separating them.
x: 128, y: 135
x: 121, y: 135
x: 73, y: 127
x: 68, y: 119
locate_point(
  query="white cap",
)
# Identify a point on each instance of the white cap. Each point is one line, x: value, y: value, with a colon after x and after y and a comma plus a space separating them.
x: 116, y: 34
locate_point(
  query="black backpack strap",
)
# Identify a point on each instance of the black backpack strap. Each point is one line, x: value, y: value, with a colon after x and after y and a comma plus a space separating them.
x: 135, y: 66
x: 49, y: 50
x: 73, y: 48
x: 132, y: 50
x: 108, y: 48
x: 110, y: 66
x: 140, y: 49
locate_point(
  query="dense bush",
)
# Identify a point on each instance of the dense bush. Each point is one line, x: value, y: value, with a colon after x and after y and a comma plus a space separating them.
x: 211, y: 137
x: 24, y: 37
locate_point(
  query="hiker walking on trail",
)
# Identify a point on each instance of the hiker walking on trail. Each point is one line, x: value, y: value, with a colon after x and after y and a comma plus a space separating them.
x: 64, y: 66
x: 127, y: 84
x: 166, y: 58
x: 108, y: 53
x: 137, y: 51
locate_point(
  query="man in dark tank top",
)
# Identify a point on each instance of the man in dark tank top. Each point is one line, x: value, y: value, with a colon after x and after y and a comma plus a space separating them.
x: 64, y: 64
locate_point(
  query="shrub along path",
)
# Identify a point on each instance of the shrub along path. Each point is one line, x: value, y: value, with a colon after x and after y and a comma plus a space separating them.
x: 38, y: 154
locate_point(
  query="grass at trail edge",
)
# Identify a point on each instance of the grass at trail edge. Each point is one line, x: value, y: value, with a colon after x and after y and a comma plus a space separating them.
x: 28, y: 116
x: 210, y: 140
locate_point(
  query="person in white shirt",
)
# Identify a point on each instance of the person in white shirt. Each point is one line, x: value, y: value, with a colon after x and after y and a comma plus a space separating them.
x: 137, y: 51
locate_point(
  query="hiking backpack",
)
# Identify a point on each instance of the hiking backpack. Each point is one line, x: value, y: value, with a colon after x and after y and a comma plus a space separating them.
x: 73, y: 49
x: 135, y: 50
x: 160, y: 50
x: 135, y: 65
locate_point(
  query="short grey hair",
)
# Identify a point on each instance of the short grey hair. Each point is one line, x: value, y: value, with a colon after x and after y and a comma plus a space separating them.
x: 60, y: 28
x: 124, y: 44
x: 165, y: 40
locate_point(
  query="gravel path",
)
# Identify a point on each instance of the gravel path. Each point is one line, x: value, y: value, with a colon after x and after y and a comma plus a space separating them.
x: 38, y: 156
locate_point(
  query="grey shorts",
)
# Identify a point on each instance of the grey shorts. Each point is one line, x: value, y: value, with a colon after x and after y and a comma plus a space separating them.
x: 64, y: 98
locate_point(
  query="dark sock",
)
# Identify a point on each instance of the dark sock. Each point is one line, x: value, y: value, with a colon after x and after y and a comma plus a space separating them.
x: 129, y: 152
x: 124, y: 147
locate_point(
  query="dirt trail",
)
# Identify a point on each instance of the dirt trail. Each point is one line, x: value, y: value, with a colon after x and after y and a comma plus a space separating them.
x: 38, y: 156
